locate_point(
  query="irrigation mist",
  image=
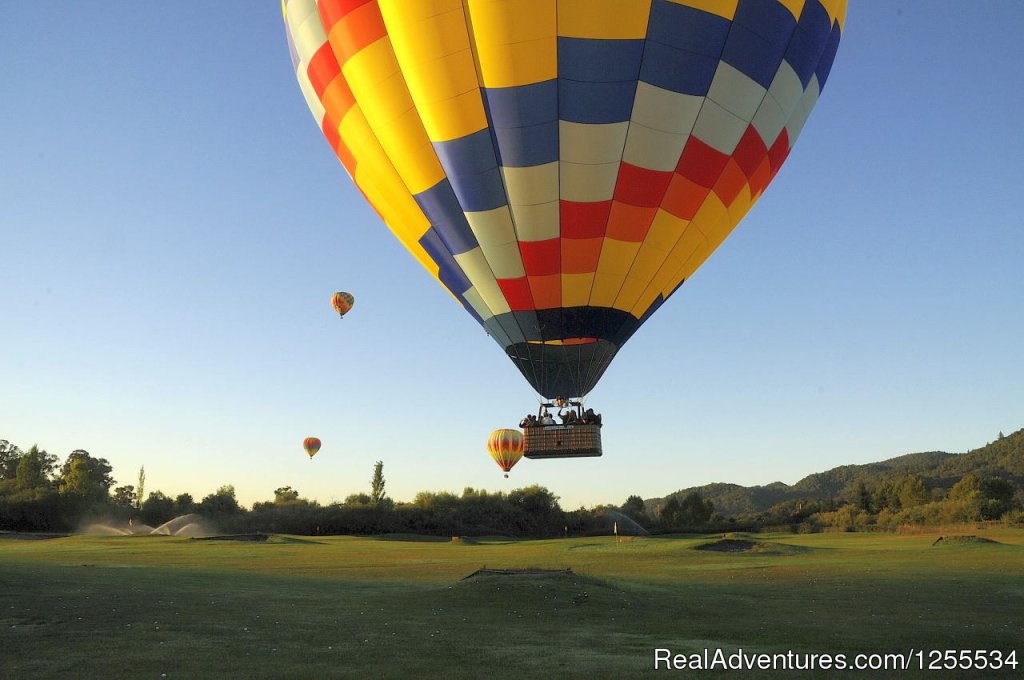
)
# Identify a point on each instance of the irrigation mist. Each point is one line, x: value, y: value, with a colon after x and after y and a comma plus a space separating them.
x: 183, y: 525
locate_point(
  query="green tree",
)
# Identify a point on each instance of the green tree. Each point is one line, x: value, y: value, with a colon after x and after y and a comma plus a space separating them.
x: 124, y: 496
x: 142, y: 487
x: 357, y: 499
x: 965, y: 499
x: 35, y: 469
x: 634, y: 509
x: 377, y: 484
x: 222, y: 502
x: 184, y: 504
x: 911, y: 490
x: 86, y: 477
x: 285, y: 495
x: 669, y: 516
x: 538, y: 510
x: 10, y: 455
x: 695, y: 510
x: 862, y: 496
x: 157, y: 509
x: 691, y: 512
x: 997, y: 497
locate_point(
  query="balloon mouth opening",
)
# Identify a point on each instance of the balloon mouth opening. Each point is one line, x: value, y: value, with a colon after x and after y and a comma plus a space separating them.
x: 564, y: 341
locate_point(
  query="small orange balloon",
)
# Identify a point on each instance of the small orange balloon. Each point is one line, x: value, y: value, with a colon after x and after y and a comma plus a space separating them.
x: 506, y: 448
x: 342, y: 303
x: 312, y: 445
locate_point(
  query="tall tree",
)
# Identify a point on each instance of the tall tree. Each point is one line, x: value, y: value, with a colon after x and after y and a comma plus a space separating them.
x: 85, y: 476
x: 142, y: 487
x: 157, y: 509
x: 35, y: 469
x: 695, y: 510
x: 9, y: 457
x: 285, y: 495
x: 377, y: 484
x: 634, y: 509
x: 184, y: 503
x: 223, y: 502
x: 124, y: 496
x: 862, y: 496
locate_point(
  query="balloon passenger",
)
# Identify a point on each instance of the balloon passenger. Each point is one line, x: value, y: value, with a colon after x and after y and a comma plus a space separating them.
x: 529, y: 421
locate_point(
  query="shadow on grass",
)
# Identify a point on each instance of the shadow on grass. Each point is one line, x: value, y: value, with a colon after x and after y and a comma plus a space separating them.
x: 423, y: 538
x: 409, y: 538
x: 257, y: 538
x: 19, y: 536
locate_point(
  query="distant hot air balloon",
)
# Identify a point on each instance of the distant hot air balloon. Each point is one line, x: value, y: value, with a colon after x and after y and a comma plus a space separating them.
x: 342, y: 303
x: 562, y: 166
x: 506, y: 448
x: 312, y: 445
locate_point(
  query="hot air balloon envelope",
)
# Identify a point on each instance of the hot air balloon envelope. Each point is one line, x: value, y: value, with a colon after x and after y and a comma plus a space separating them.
x: 562, y: 166
x: 312, y: 445
x: 506, y: 448
x: 342, y: 303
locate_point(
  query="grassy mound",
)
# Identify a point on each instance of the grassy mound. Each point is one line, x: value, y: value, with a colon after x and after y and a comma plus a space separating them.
x: 539, y: 590
x: 527, y: 571
x: 964, y: 540
x: 255, y: 538
x: 743, y: 545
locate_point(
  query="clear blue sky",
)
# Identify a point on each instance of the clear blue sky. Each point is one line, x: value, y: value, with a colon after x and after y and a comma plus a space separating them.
x: 172, y: 226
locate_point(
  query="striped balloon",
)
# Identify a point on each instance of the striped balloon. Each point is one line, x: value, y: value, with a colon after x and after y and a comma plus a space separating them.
x: 342, y: 303
x: 562, y: 166
x: 312, y: 445
x: 506, y: 448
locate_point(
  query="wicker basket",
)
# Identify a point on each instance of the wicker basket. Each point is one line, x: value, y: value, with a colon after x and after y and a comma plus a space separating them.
x: 562, y: 441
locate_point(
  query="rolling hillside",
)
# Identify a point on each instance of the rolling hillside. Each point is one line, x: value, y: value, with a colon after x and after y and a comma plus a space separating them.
x: 1003, y: 457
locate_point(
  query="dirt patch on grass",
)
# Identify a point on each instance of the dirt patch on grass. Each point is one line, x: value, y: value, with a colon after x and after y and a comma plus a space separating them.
x: 528, y: 571
x: 411, y: 538
x: 743, y: 545
x: 537, y: 592
x: 964, y: 540
x: 256, y: 538
x: 731, y: 545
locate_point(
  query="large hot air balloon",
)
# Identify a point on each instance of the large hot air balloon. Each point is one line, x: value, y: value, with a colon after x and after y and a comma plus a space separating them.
x: 342, y: 303
x: 312, y: 445
x: 562, y: 166
x: 506, y: 448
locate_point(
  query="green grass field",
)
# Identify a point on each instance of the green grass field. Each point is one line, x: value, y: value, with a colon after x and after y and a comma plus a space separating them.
x: 291, y: 607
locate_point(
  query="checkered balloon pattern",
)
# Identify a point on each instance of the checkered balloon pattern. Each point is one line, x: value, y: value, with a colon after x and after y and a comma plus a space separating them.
x: 562, y: 166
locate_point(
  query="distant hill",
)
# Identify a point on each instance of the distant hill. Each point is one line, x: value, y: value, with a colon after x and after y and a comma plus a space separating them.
x: 1003, y: 458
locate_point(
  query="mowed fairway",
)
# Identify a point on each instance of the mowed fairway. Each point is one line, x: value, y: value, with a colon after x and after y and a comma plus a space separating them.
x: 297, y: 607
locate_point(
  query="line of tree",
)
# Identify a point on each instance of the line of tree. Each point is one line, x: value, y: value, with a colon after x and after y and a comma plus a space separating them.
x: 37, y: 493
